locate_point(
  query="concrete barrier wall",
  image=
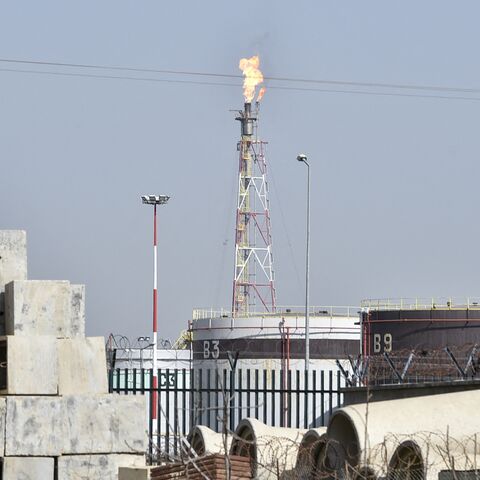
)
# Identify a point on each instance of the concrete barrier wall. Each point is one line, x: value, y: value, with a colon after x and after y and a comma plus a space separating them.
x: 13, y: 264
x: 82, y: 369
x: 104, y: 424
x: 57, y: 409
x: 40, y: 307
x: 93, y: 467
x: 28, y: 468
x: 13, y: 256
x: 31, y: 365
x: 34, y: 426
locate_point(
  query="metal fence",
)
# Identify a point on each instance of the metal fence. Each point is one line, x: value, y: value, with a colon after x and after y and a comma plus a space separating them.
x: 219, y: 399
x: 455, y: 364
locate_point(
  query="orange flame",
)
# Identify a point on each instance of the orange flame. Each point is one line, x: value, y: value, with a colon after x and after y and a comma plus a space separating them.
x: 261, y: 93
x: 253, y: 77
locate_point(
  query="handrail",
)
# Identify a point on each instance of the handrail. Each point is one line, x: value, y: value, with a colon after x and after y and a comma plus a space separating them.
x: 296, y: 310
x: 430, y: 303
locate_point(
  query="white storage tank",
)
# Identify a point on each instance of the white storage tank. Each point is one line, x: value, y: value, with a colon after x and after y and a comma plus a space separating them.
x: 266, y: 341
x: 258, y: 362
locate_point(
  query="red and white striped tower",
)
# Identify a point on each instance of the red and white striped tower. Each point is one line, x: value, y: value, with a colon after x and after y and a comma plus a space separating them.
x: 253, y: 281
x: 253, y: 278
x: 155, y: 200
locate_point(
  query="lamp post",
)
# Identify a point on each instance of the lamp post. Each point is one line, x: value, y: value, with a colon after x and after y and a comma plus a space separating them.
x: 154, y: 200
x: 303, y: 158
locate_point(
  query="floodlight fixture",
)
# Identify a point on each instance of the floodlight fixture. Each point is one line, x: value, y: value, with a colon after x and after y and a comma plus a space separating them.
x: 155, y: 199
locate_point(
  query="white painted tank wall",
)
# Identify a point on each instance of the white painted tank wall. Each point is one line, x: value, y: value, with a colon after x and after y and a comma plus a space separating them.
x: 212, y: 331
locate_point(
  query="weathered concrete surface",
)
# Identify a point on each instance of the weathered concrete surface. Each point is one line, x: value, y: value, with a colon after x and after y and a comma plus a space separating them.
x: 82, y: 366
x: 436, y: 424
x: 134, y: 473
x: 13, y: 264
x: 32, y: 365
x: 205, y: 441
x: 95, y: 467
x: 105, y: 424
x: 28, y: 468
x: 38, y: 307
x: 78, y: 310
x: 13, y: 256
x: 34, y: 426
x: 3, y: 413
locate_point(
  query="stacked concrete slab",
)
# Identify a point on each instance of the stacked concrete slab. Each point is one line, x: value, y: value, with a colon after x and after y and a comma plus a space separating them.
x: 55, y: 411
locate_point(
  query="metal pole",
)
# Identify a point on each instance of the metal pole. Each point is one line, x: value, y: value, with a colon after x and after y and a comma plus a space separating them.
x: 155, y: 316
x: 154, y: 200
x: 307, y: 276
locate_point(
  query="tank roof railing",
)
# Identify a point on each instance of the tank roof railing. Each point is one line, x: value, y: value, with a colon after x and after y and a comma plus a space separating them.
x: 429, y: 303
x: 327, y: 311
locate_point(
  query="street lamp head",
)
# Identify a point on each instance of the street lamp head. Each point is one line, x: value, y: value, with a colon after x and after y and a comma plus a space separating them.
x: 155, y: 199
x: 302, y: 157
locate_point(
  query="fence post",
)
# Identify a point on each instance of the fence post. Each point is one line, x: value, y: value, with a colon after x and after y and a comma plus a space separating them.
x: 110, y: 380
x: 306, y: 412
x: 232, y: 400
x: 192, y: 399
x: 282, y: 399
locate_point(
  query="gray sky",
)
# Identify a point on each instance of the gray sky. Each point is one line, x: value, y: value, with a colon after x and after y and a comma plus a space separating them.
x: 395, y: 178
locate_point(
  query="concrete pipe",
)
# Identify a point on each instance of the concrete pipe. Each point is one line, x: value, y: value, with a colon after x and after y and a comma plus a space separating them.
x: 204, y: 441
x: 309, y: 452
x: 407, y: 462
x: 272, y: 450
x: 425, y: 455
x: 364, y: 437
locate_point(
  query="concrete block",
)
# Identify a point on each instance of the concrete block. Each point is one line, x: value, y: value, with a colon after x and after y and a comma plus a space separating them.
x: 38, y: 307
x: 105, y: 424
x: 82, y: 366
x: 134, y: 473
x: 13, y: 264
x: 13, y: 256
x: 78, y: 310
x: 3, y: 414
x: 31, y: 365
x: 27, y: 468
x: 34, y: 426
x: 95, y: 467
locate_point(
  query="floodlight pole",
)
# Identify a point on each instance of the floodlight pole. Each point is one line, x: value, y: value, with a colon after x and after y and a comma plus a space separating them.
x: 155, y: 315
x: 155, y: 200
x: 303, y: 158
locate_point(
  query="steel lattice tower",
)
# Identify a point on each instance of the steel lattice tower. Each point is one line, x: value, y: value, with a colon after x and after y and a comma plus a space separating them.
x: 253, y: 282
